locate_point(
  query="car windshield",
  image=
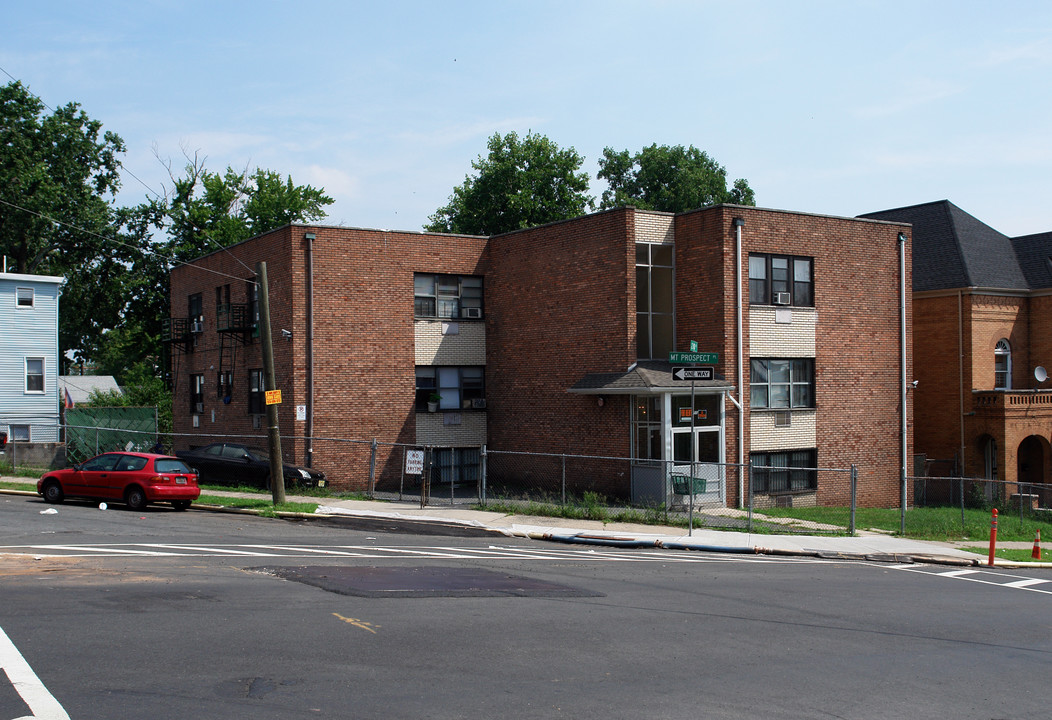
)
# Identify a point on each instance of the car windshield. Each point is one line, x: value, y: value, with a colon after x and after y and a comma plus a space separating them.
x: 171, y: 465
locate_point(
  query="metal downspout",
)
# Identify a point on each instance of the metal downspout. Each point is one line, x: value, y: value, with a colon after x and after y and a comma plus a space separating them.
x: 902, y: 366
x: 310, y: 348
x: 960, y: 371
x: 739, y: 223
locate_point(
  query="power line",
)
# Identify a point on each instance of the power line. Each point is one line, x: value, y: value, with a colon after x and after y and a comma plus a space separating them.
x: 148, y: 251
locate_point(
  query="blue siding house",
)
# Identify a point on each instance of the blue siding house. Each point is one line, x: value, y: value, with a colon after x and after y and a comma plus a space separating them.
x: 29, y: 399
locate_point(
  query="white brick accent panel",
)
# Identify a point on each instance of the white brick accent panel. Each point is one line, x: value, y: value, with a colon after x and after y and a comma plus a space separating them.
x: 771, y: 337
x: 466, y: 347
x: 432, y: 430
x: 765, y: 437
x: 654, y: 228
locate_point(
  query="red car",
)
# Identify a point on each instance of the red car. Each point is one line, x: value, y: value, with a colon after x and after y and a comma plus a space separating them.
x: 135, y: 478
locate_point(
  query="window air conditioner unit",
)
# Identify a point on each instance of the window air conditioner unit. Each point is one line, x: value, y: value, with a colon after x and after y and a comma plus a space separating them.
x: 782, y: 298
x: 472, y: 313
x: 783, y: 418
x: 197, y: 326
x: 478, y: 403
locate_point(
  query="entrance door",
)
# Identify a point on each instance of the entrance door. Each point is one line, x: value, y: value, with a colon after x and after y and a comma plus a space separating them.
x: 702, y: 457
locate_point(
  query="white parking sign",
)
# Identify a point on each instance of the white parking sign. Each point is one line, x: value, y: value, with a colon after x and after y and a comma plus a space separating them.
x: 414, y: 462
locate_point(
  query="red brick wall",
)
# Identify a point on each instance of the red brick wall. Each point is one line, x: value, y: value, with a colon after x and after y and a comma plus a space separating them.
x: 857, y: 300
x: 364, y: 340
x: 560, y: 303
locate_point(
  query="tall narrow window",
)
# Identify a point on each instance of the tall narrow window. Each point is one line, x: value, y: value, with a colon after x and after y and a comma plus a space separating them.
x: 655, y: 305
x: 35, y: 375
x: 197, y: 393
x: 256, y: 406
x: 1002, y: 365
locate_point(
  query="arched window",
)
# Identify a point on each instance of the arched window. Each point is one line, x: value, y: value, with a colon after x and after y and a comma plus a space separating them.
x: 1002, y: 365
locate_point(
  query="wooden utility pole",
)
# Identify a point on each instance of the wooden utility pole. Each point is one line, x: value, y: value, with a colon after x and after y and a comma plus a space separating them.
x: 277, y: 475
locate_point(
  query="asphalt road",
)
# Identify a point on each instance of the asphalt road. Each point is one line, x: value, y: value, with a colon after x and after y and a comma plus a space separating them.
x: 160, y: 614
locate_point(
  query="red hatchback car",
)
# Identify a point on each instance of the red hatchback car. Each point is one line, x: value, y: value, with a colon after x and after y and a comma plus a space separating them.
x: 135, y: 478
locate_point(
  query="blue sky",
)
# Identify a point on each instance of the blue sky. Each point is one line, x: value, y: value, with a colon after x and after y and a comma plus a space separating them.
x: 836, y: 107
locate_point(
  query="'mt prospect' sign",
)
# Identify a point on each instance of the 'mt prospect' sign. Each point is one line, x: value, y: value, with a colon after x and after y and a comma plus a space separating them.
x: 700, y: 358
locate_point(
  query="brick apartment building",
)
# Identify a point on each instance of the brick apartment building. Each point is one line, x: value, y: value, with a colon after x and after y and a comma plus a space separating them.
x: 556, y: 339
x: 983, y: 340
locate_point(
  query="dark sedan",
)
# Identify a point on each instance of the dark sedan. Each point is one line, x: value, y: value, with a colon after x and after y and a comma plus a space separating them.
x: 234, y: 464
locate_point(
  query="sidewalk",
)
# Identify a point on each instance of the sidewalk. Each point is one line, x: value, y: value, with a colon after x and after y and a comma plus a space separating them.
x: 876, y: 547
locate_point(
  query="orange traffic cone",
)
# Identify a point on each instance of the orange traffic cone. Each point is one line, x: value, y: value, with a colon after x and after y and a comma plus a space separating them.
x: 1036, y: 554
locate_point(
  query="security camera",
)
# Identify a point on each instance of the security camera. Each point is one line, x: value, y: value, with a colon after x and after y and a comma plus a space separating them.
x: 287, y: 334
x: 915, y: 383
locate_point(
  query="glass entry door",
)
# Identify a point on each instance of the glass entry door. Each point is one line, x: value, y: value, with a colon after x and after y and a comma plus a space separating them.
x: 697, y: 447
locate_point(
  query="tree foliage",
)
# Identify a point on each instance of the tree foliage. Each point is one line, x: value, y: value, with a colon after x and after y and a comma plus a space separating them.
x: 521, y: 183
x: 58, y: 173
x: 668, y: 178
x: 207, y: 210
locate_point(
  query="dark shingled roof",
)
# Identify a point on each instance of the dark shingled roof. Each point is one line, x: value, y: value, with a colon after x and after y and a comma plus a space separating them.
x: 643, y: 377
x: 1035, y: 258
x: 952, y: 249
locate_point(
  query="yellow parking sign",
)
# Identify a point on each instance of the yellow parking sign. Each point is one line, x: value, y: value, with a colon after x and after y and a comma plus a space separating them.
x: 273, y: 397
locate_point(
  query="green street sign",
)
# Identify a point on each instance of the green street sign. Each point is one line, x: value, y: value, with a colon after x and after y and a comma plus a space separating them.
x: 703, y: 358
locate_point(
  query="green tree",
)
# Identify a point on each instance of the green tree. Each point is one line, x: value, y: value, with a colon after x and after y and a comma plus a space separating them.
x: 670, y: 179
x: 521, y: 183
x: 207, y: 210
x: 58, y: 173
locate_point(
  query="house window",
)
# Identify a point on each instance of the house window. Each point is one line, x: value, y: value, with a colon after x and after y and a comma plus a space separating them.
x: 655, y: 318
x: 197, y: 393
x: 457, y: 297
x: 252, y: 294
x: 20, y: 433
x: 781, y: 280
x: 787, y: 471
x: 195, y: 310
x: 780, y: 384
x: 460, y: 387
x: 24, y: 297
x: 34, y: 375
x: 1002, y: 365
x: 256, y: 405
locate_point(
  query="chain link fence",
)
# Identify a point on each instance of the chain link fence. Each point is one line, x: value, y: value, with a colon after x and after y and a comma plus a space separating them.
x: 971, y: 499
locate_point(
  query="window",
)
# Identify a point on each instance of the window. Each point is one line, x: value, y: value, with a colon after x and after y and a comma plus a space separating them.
x: 197, y: 393
x: 102, y: 463
x: 256, y: 406
x: 20, y: 433
x: 655, y: 325
x: 457, y: 297
x: 195, y: 310
x: 252, y: 293
x: 460, y: 387
x: 34, y: 375
x: 457, y: 465
x: 781, y: 384
x: 1002, y: 365
x: 224, y: 385
x: 788, y: 471
x: 646, y: 427
x: 24, y: 297
x: 781, y: 280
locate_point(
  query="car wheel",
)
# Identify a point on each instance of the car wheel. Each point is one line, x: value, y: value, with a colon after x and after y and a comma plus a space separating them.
x: 180, y: 504
x: 53, y: 492
x: 135, y: 498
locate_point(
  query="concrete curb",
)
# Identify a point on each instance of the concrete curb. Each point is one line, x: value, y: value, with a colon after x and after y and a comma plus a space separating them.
x: 457, y: 526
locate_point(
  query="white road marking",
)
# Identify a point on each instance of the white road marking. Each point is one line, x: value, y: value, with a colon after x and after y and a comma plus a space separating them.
x: 41, y: 702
